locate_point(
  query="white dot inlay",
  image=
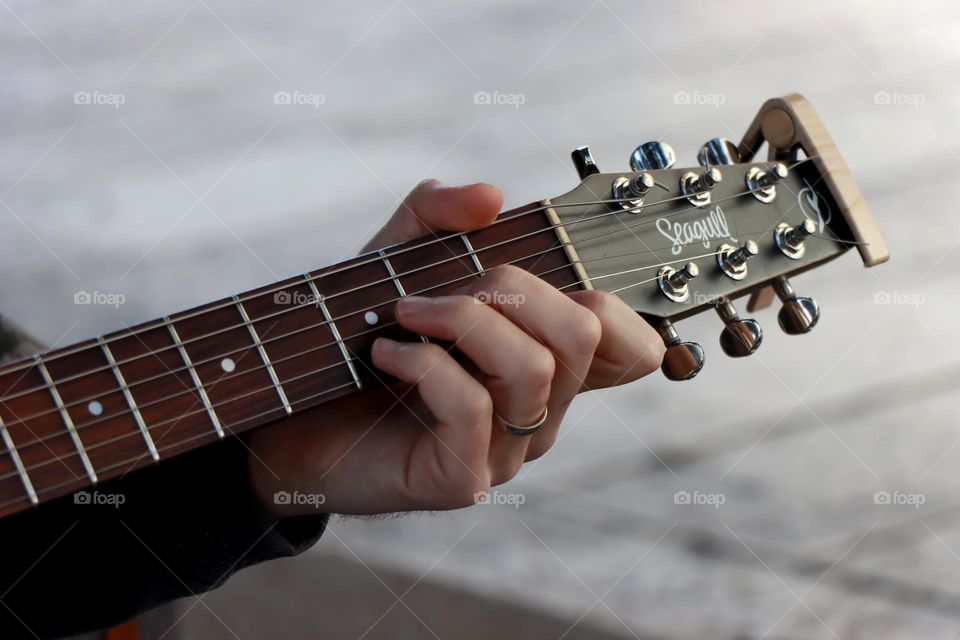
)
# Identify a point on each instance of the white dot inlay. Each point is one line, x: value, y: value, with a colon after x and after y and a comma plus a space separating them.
x: 371, y: 317
x: 228, y: 365
x: 95, y: 408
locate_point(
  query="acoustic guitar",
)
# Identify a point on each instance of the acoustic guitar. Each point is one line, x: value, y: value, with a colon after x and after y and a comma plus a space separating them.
x: 670, y: 242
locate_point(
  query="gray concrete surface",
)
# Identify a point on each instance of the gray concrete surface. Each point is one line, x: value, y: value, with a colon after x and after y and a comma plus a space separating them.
x: 199, y: 185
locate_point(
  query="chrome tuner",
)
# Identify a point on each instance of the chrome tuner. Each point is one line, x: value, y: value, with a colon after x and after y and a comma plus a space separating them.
x: 733, y: 261
x: 674, y: 283
x: 629, y: 192
x: 697, y: 187
x: 740, y: 337
x: 682, y: 360
x: 790, y: 239
x: 798, y: 315
x: 651, y: 156
x: 583, y: 162
x: 718, y: 151
x: 763, y: 184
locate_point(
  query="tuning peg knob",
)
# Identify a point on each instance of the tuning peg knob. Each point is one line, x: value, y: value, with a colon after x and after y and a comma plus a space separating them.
x: 798, y: 314
x: 740, y: 337
x: 583, y: 162
x: 682, y: 360
x: 651, y: 156
x: 718, y: 151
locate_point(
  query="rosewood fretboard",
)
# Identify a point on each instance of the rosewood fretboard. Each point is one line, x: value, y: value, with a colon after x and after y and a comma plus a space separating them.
x: 79, y: 415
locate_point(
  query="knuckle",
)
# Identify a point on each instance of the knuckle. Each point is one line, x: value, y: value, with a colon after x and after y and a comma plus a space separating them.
x: 478, y: 408
x: 540, y: 368
x: 585, y: 330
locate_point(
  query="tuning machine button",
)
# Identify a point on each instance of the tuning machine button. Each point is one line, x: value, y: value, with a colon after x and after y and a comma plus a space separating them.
x: 651, y: 156
x: 740, y: 337
x: 763, y: 184
x: 697, y: 188
x: 733, y: 260
x: 583, y: 162
x: 798, y: 315
x: 682, y: 360
x: 718, y: 151
x: 790, y: 239
x: 674, y: 283
x: 629, y: 192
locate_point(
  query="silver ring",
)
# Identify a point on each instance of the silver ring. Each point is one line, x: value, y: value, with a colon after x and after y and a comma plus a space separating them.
x: 517, y: 430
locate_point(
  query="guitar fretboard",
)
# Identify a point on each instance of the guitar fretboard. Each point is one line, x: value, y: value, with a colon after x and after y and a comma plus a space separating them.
x: 79, y: 415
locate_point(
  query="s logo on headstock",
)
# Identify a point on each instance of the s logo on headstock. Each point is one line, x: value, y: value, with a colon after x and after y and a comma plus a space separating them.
x: 813, y: 206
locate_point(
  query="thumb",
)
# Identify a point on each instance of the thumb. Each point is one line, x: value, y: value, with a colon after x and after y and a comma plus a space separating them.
x: 433, y: 207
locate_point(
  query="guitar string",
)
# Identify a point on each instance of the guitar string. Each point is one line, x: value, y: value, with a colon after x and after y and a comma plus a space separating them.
x: 268, y: 388
x: 317, y: 325
x: 311, y: 303
x: 339, y: 363
x: 403, y: 249
x: 231, y: 428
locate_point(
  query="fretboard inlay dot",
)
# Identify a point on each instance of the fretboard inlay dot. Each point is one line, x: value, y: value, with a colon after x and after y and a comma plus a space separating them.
x: 371, y: 317
x: 228, y: 365
x: 95, y: 408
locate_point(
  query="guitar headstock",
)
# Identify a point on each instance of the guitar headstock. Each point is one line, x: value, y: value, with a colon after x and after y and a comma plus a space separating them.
x: 672, y: 242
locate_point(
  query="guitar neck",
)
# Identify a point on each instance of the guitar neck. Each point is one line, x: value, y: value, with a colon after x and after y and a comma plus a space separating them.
x: 79, y: 415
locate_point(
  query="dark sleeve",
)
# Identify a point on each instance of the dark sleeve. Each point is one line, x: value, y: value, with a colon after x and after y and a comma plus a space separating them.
x: 184, y: 527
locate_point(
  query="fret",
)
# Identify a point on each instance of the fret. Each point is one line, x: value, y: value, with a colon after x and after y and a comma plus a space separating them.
x: 196, y: 379
x: 18, y: 463
x: 396, y: 281
x: 67, y: 420
x: 333, y: 329
x: 121, y: 381
x: 473, y: 254
x: 263, y: 355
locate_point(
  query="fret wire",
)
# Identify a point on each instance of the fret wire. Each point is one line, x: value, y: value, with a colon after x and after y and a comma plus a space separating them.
x: 263, y: 356
x: 67, y: 420
x: 18, y: 463
x: 118, y: 375
x: 196, y: 378
x: 397, y: 283
x: 473, y: 254
x: 333, y: 329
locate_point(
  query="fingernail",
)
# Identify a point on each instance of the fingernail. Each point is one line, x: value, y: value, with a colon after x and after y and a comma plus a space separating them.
x: 387, y: 345
x: 412, y: 305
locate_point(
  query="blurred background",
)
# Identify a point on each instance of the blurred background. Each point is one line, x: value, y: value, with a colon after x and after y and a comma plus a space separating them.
x: 175, y: 152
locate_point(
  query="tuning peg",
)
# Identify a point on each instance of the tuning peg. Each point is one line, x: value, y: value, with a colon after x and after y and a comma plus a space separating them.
x: 718, y: 151
x: 651, y: 156
x: 673, y: 282
x: 733, y: 260
x: 629, y: 192
x: 583, y: 162
x: 798, y: 314
x: 697, y: 188
x: 740, y: 337
x: 682, y: 360
x: 790, y: 239
x: 763, y: 184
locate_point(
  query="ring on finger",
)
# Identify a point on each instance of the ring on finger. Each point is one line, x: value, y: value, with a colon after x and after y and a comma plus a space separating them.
x: 519, y: 430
